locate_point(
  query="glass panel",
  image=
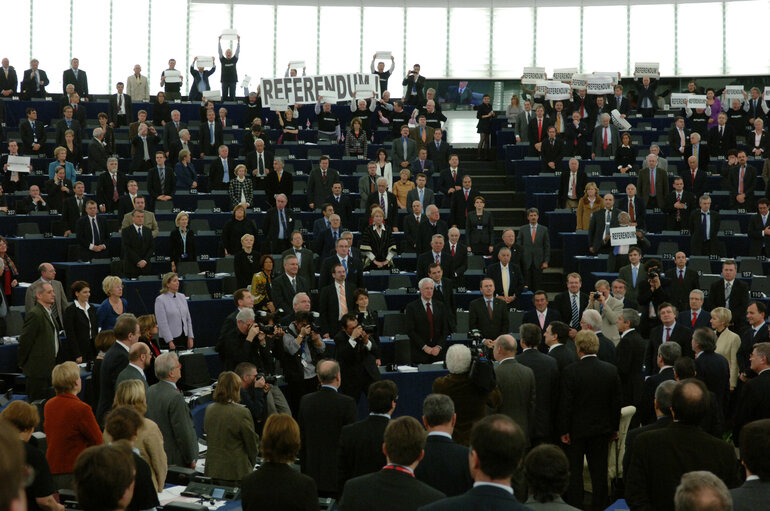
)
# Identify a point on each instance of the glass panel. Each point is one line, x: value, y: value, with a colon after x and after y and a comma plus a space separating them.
x: 340, y: 49
x: 256, y: 48
x: 699, y: 39
x: 91, y: 42
x: 129, y: 40
x: 604, y: 39
x: 297, y: 38
x: 52, y: 24
x: 16, y: 36
x: 206, y: 24
x: 743, y: 51
x: 384, y: 31
x: 511, y: 41
x: 552, y: 27
x: 652, y: 36
x: 426, y: 33
x: 468, y: 60
x: 168, y: 42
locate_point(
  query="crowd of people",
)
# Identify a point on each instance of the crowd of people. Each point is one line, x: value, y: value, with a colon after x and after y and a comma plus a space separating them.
x: 679, y: 367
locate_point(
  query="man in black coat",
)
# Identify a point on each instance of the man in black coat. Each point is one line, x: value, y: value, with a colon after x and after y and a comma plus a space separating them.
x: 711, y: 367
x: 731, y: 293
x: 32, y: 133
x: 702, y: 316
x: 332, y: 314
x: 661, y: 457
x: 110, y: 181
x: 435, y: 254
x: 395, y: 486
x: 754, y: 402
x: 115, y: 360
x: 678, y: 205
x: 462, y: 202
x: 680, y: 281
x: 445, y: 464
x: 121, y: 111
x: 589, y: 418
x: 488, y: 315
x: 9, y: 81
x: 755, y: 492
x: 223, y: 165
x: 552, y: 151
x: 97, y: 153
x: 573, y: 180
x: 358, y: 353
x: 426, y: 230
x: 278, y: 225
x: 667, y: 354
x: 288, y: 284
x: 361, y: 442
x: 444, y: 292
x: 704, y: 242
x: 438, y: 151
x: 721, y: 137
x: 321, y: 417
x: 630, y: 357
x: 427, y: 326
x: 34, y: 81
x: 546, y: 371
x: 410, y: 225
x: 342, y: 205
x: 146, y: 138
x: 759, y: 227
x: 559, y: 345
x: 542, y: 315
x: 74, y: 208
x: 279, y: 181
x: 661, y: 418
x: 137, y: 247
x: 451, y: 178
x: 756, y: 332
x: 563, y: 302
x: 598, y: 233
x: 670, y: 330
x: 506, y: 288
x: 161, y: 180
x: 458, y: 252
x: 592, y: 320
x: 76, y: 77
x: 343, y: 256
x: 208, y: 140
x: 383, y: 197
x: 92, y: 233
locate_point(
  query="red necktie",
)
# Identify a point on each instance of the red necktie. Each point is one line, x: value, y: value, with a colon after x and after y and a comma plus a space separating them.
x: 692, y: 174
x: 604, y: 141
x: 694, y: 318
x: 453, y: 250
x: 539, y: 130
x: 681, y: 276
x: 631, y: 212
x: 466, y: 195
x: 429, y: 313
x: 582, y: 111
x: 437, y: 260
x: 114, y: 189
x: 740, y: 181
x: 534, y: 231
x: 489, y: 308
x: 652, y: 182
x: 223, y: 123
x: 668, y: 333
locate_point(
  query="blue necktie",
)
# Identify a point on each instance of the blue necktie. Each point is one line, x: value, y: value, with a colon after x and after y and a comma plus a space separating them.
x: 345, y: 265
x: 226, y: 175
x: 704, y: 217
x: 211, y: 132
x: 634, y: 273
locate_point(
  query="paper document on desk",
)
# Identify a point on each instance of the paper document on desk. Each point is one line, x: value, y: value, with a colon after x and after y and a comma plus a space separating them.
x: 407, y: 369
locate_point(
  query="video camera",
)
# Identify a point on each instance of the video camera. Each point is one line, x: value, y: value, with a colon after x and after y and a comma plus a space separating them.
x: 482, y: 371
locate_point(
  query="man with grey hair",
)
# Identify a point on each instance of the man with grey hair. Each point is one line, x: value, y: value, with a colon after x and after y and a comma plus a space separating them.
x: 660, y: 161
x: 287, y: 285
x: 470, y: 399
x: 166, y: 407
x: 445, y: 464
x: 606, y: 139
x: 183, y: 143
x: 608, y: 307
x: 592, y: 320
x: 171, y: 135
x: 652, y: 183
x: 427, y: 325
x: 437, y: 254
x: 97, y: 153
x: 702, y: 491
x: 427, y: 229
x: 110, y: 185
x: 321, y: 417
x: 138, y: 247
x: 116, y: 359
x: 630, y: 357
x: 278, y: 224
x: 670, y: 330
x: 696, y: 316
x: 39, y: 341
x: 668, y: 353
x: 516, y: 383
x: 660, y: 419
x: 386, y: 201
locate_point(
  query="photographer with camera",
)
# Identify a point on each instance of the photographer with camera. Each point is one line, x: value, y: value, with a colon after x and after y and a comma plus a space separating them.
x: 303, y: 348
x: 359, y: 356
x: 253, y: 392
x: 652, y: 293
x: 608, y: 306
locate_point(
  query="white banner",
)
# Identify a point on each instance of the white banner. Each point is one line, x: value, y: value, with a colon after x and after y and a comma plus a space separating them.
x: 619, y: 122
x: 532, y: 74
x: 564, y: 74
x: 18, y: 163
x: 383, y: 55
x: 678, y: 99
x: 205, y: 62
x: 541, y: 87
x: 612, y: 76
x: 622, y: 236
x: 246, y: 81
x: 734, y: 92
x: 557, y: 91
x: 697, y: 101
x: 230, y: 34
x: 306, y: 89
x: 648, y: 69
x: 580, y: 81
x: 599, y: 85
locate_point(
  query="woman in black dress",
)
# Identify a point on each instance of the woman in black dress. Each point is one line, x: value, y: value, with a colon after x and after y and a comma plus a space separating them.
x: 625, y: 155
x: 161, y: 111
x: 80, y: 325
x: 484, y: 114
x: 148, y: 330
x: 246, y: 261
x: 289, y: 127
x: 480, y: 228
x: 181, y: 241
x: 235, y: 228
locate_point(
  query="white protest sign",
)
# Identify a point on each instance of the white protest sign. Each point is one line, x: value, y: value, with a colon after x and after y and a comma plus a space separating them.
x: 622, y: 236
x: 212, y: 95
x: 599, y: 85
x: 557, y: 91
x: 612, y: 76
x: 619, y: 122
x: 531, y: 75
x: 205, y: 62
x: 383, y: 55
x: 306, y: 89
x: 648, y: 69
x: 246, y: 81
x: 564, y: 74
x: 297, y: 64
x: 230, y: 34
x: 172, y: 76
x: 734, y: 92
x: 678, y: 100
x: 541, y: 87
x: 279, y: 106
x: 696, y: 101
x: 18, y: 163
x: 579, y: 81
x: 767, y: 91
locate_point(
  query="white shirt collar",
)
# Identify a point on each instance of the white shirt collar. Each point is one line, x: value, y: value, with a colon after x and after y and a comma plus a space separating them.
x: 136, y: 367
x: 626, y: 332
x: 507, y: 358
x: 440, y: 433
x: 84, y: 309
x: 501, y: 486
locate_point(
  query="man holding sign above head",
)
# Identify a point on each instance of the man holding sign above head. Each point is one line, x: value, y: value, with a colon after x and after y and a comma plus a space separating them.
x: 229, y: 76
x: 646, y: 98
x: 200, y: 78
x: 171, y: 79
x: 291, y: 71
x: 384, y: 75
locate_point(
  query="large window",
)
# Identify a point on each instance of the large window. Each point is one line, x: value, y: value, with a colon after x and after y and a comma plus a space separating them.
x: 256, y: 46
x: 92, y: 51
x: 558, y: 37
x: 16, y: 36
x: 604, y: 39
x: 652, y: 36
x: 296, y: 37
x: 743, y: 48
x: 340, y: 49
x: 51, y: 41
x: 426, y: 40
x: 383, y: 30
x: 130, y: 40
x: 167, y: 43
x: 699, y: 39
x: 469, y: 60
x: 512, y: 39
x: 206, y: 24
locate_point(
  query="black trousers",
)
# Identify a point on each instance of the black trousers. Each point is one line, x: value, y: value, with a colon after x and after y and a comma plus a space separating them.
x: 596, y: 450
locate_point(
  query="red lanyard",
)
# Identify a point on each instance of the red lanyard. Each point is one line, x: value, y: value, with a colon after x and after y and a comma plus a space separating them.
x: 399, y: 468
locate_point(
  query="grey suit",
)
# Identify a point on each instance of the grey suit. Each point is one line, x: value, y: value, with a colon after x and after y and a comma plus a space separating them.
x: 598, y: 141
x: 428, y: 198
x: 517, y: 385
x: 166, y: 408
x: 363, y: 189
x: 522, y: 125
x: 752, y: 495
x: 131, y: 373
x: 317, y: 190
x: 610, y: 313
x: 61, y: 298
x: 397, y: 155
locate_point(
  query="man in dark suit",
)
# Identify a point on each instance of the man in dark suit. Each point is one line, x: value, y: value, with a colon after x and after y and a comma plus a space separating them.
x: 171, y: 134
x: 145, y: 146
x: 39, y: 342
x: 327, y: 238
x: 678, y: 138
x: 411, y: 225
x: 535, y: 244
x: 620, y: 103
x: 592, y: 320
x: 667, y: 354
x: 711, y: 367
x: 635, y: 207
x: 759, y: 227
x: 321, y: 417
x: 115, y: 360
x: 277, y: 182
x: 516, y: 381
x: 66, y: 124
x: 696, y: 316
x: 703, y: 240
x: 572, y: 184
x: 97, y: 153
x: 342, y: 205
x: 304, y: 257
x: 630, y: 357
x: 546, y: 372
x: 438, y: 151
x: 74, y: 208
x: 696, y: 148
x: 395, y: 485
x: 757, y: 332
x: 335, y: 300
x: 415, y: 85
x: 461, y: 203
x: 754, y: 402
x: 731, y: 293
x: 589, y: 418
x: 600, y: 224
x: 606, y: 138
x: 552, y: 151
x: 222, y: 169
x: 571, y: 303
x: 32, y: 133
x: 358, y: 353
x: 387, y: 201
x: 288, y: 284
x: 34, y: 81
x: 278, y: 225
x: 436, y: 254
x: 426, y: 230
x: 343, y: 256
x: 92, y: 233
x: 742, y: 180
x: 360, y: 449
x: 695, y: 178
x: 444, y: 292
x: 120, y: 110
x: 138, y: 362
x: 542, y: 315
x: 137, y: 247
x: 660, y: 403
x: 661, y: 457
x: 680, y: 281
x: 537, y: 131
x: 755, y: 492
x: 259, y: 162
x: 559, y: 345
x: 721, y: 137
x: 319, y: 183
x: 451, y: 178
x: 210, y: 136
x: 488, y: 315
x: 161, y: 180
x: 458, y: 252
x: 422, y: 164
x: 507, y: 278
x: 420, y: 193
x: 77, y: 77
x: 9, y: 82
x: 110, y: 183
x: 497, y: 448
x: 678, y: 205
x: 427, y: 326
x: 445, y: 464
x: 668, y: 331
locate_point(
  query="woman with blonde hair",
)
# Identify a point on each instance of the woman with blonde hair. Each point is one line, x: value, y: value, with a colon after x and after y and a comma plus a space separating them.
x: 246, y: 261
x: 241, y: 191
x: 148, y: 329
x: 402, y: 187
x: 181, y: 241
x: 149, y: 439
x: 112, y: 306
x: 231, y: 440
x: 186, y: 176
x: 728, y: 341
x: 588, y: 204
x: 173, y: 314
x: 378, y: 248
x: 60, y: 160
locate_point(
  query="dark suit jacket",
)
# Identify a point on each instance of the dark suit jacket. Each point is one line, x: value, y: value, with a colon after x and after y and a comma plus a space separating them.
x: 598, y: 141
x: 397, y: 153
x: 204, y: 138
x: 552, y: 153
x: 426, y: 231
x: 252, y: 163
x: 115, y: 360
x: 685, y: 318
x: 418, y: 330
x: 97, y: 156
x: 661, y: 458
x: 61, y: 128
x: 624, y: 106
x: 547, y: 391
x: 71, y: 213
x: 85, y: 236
x: 394, y: 490
x: 551, y: 314
x: 532, y: 133
x: 590, y: 399
x: 445, y: 466
x: 135, y: 249
x: 360, y: 450
x: 581, y: 179
x: 748, y: 340
x: 714, y: 370
x: 564, y: 355
x: 754, y: 403
x: 439, y: 155
x: 633, y: 434
x: 459, y: 207
x: 166, y: 407
x: 321, y: 417
x: 217, y: 173
x: 534, y: 253
x: 479, y: 318
x: 739, y: 301
x: 283, y: 294
x: 640, y: 210
x: 282, y: 486
x: 425, y: 259
x: 752, y: 495
x: 675, y: 142
x: 358, y: 365
x: 646, y: 411
x: 606, y: 349
x: 680, y: 334
x: 11, y: 83
x: 749, y: 186
x: 36, y: 355
x: 28, y: 85
x: 446, y: 182
x: 484, y: 497
x: 330, y: 308
x: 56, y: 196
x: 105, y: 189
x: 153, y: 144
x: 460, y: 259
x: 700, y: 186
x: 515, y: 283
x: 80, y: 83
x: 679, y: 292
x: 719, y: 145
x: 695, y: 226
x: 596, y: 228
x: 391, y: 219
x: 154, y: 188
x: 411, y: 228
x: 689, y: 199
x: 28, y: 136
x: 757, y: 243
x: 273, y: 187
x: 355, y: 276
x: 630, y: 357
x: 563, y: 305
x: 113, y: 108
x: 344, y: 208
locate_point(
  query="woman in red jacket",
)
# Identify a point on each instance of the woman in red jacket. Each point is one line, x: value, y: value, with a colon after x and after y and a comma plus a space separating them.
x: 70, y: 425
